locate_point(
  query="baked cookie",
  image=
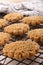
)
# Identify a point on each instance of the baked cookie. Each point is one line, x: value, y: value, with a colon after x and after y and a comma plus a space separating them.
x: 36, y: 35
x: 4, y: 38
x: 17, y: 29
x: 21, y: 49
x: 33, y: 20
x: 13, y: 17
x: 3, y: 23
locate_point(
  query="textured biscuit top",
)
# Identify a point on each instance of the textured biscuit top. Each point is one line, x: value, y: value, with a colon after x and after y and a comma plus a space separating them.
x: 13, y: 17
x: 21, y: 49
x: 4, y: 38
x: 33, y: 20
x: 17, y: 29
x: 36, y: 34
x: 3, y: 23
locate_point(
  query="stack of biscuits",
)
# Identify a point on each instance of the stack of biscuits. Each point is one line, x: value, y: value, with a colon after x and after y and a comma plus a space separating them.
x: 16, y: 25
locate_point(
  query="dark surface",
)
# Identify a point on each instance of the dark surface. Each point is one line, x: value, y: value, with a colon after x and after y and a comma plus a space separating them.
x: 1, y: 64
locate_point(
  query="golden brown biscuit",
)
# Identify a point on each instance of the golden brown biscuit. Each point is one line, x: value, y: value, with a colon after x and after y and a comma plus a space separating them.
x: 36, y: 35
x: 17, y: 29
x: 4, y: 38
x: 21, y: 49
x: 13, y: 17
x: 33, y: 20
x: 3, y: 23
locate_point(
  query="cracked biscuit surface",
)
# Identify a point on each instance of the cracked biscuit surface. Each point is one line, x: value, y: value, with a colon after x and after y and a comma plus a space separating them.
x: 21, y: 49
x: 33, y: 20
x: 17, y: 29
x: 4, y: 38
x: 3, y: 23
x: 36, y: 35
x: 13, y: 17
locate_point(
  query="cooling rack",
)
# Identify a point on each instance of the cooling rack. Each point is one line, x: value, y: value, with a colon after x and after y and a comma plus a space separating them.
x: 36, y: 60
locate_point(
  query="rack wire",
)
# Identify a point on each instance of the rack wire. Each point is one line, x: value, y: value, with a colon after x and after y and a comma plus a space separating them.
x: 36, y: 60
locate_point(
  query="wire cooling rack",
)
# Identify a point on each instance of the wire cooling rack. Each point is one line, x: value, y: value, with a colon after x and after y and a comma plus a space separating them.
x: 36, y: 60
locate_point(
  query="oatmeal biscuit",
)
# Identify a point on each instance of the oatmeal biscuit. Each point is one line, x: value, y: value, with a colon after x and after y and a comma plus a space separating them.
x: 36, y: 35
x: 33, y: 20
x: 21, y: 49
x: 3, y: 23
x: 17, y: 29
x: 4, y: 38
x: 13, y: 17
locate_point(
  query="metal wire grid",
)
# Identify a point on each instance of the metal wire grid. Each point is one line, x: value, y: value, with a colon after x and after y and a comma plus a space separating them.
x: 38, y: 59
